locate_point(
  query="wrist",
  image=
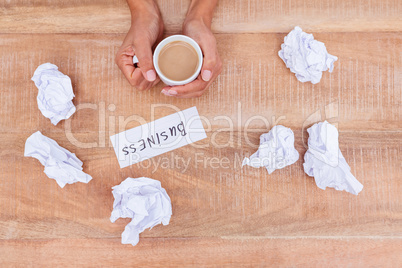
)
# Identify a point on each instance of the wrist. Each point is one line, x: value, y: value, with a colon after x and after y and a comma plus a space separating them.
x: 201, y: 11
x: 197, y: 19
x: 138, y: 7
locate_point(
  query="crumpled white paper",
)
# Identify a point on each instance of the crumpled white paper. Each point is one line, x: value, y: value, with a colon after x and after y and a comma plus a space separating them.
x: 60, y: 164
x: 276, y: 150
x: 325, y: 162
x: 306, y: 57
x: 145, y: 201
x: 55, y: 93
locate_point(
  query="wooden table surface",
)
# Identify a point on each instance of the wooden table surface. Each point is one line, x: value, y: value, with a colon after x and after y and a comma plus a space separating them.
x: 223, y: 215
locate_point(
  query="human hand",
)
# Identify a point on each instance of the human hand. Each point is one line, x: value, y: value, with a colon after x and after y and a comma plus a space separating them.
x: 212, y: 64
x: 146, y: 31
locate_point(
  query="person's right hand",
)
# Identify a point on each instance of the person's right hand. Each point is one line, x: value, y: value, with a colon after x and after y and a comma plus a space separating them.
x: 146, y: 31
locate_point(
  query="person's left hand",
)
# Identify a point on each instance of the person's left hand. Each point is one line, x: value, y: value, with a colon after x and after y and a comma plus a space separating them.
x: 211, y: 67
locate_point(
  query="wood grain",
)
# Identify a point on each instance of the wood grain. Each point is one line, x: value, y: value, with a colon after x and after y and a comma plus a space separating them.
x: 231, y: 16
x: 223, y: 214
x: 363, y: 93
x: 222, y: 200
x: 161, y: 252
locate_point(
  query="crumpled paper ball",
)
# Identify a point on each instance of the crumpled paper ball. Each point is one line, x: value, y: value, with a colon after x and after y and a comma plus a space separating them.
x: 55, y: 93
x: 324, y: 160
x: 276, y: 150
x: 60, y: 164
x: 306, y: 57
x: 145, y: 202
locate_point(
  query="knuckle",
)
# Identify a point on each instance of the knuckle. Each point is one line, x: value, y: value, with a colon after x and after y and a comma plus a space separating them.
x: 211, y: 62
x: 142, y: 87
x: 132, y: 83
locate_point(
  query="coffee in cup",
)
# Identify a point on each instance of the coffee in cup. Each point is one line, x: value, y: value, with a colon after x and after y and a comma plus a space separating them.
x: 177, y: 60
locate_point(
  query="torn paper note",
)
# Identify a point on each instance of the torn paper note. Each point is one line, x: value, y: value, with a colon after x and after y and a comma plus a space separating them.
x: 306, y: 57
x: 325, y: 162
x: 276, y: 150
x: 60, y: 164
x: 145, y: 202
x: 157, y: 137
x: 55, y: 93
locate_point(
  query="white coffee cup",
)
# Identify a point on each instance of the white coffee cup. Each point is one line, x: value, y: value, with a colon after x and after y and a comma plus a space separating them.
x: 164, y: 42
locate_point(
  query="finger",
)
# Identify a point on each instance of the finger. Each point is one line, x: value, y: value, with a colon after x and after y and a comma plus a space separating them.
x: 128, y: 70
x: 154, y: 83
x: 129, y: 51
x: 194, y: 89
x: 192, y: 95
x: 143, y: 51
x: 190, y: 90
x: 210, y: 59
x: 144, y: 84
x: 137, y: 78
x: 184, y: 96
x: 124, y: 61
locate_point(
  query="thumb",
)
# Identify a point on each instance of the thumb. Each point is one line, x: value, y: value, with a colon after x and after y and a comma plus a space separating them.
x: 143, y: 51
x: 208, y: 63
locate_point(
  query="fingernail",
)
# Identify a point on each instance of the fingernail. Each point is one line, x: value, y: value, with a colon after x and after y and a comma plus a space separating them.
x: 151, y: 75
x: 206, y: 75
x: 172, y: 92
x: 164, y: 91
